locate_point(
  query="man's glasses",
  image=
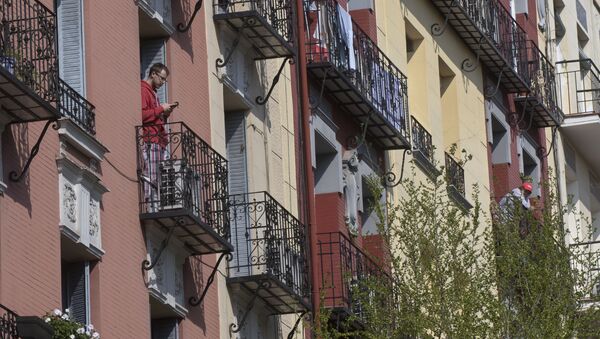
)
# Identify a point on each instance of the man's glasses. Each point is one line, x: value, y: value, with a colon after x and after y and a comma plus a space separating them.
x: 164, y: 79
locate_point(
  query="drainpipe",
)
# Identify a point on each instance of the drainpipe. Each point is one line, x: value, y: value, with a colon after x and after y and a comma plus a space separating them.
x: 305, y: 145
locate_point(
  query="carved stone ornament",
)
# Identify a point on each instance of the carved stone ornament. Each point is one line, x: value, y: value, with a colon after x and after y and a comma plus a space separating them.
x: 70, y: 202
x: 94, y: 218
x: 351, y: 190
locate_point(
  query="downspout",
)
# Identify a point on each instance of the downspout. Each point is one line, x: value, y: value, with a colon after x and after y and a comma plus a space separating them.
x: 309, y: 182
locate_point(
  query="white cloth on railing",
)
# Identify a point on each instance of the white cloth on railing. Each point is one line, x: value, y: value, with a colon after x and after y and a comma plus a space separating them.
x: 347, y: 35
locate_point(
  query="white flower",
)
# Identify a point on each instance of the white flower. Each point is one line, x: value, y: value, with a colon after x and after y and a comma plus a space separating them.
x: 80, y: 330
x: 67, y: 310
x: 90, y: 327
x: 95, y: 335
x: 57, y: 312
x: 65, y: 316
x: 72, y: 336
x: 88, y: 333
x: 47, y: 320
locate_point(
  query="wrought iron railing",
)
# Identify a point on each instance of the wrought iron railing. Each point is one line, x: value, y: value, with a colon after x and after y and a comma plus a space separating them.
x: 278, y: 13
x: 422, y: 142
x: 180, y: 171
x: 268, y: 241
x: 496, y: 24
x: 455, y: 175
x: 28, y: 47
x: 359, y: 58
x: 8, y: 323
x: 74, y: 106
x: 542, y: 79
x: 579, y: 86
x: 345, y: 271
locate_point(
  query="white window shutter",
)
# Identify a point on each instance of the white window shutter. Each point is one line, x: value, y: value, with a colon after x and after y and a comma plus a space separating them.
x: 71, y: 43
x: 153, y: 51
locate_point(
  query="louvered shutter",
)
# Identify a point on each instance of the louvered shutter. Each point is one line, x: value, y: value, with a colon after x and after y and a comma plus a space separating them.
x: 70, y: 43
x: 153, y: 51
x: 165, y: 328
x: 235, y: 134
x: 74, y: 291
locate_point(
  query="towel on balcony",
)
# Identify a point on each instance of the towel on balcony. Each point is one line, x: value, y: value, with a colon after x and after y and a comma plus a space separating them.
x: 347, y: 35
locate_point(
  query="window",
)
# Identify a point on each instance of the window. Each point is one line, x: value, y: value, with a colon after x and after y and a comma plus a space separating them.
x: 413, y: 40
x: 498, y: 133
x: 327, y: 158
x: 76, y: 290
x: 165, y: 328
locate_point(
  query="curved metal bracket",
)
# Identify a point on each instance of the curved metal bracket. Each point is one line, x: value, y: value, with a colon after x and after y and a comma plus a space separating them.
x: 259, y: 99
x: 494, y: 89
x: 184, y: 28
x: 323, y: 82
x: 467, y: 65
x: 437, y: 29
x: 146, y: 265
x: 389, y: 178
x: 355, y: 141
x: 195, y: 300
x: 235, y: 328
x: 220, y: 63
x: 293, y: 330
x: 34, y: 151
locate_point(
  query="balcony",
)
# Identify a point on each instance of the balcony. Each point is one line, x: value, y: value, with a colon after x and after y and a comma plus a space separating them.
x: 12, y: 326
x: 344, y: 271
x: 489, y: 29
x: 579, y: 90
x: 183, y: 187
x: 423, y: 149
x: 358, y: 75
x: 541, y: 101
x: 267, y: 24
x: 456, y: 183
x: 30, y: 88
x: 270, y: 257
x: 28, y: 59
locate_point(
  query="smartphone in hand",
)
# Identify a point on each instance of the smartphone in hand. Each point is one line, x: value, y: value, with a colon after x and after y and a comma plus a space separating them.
x: 175, y: 104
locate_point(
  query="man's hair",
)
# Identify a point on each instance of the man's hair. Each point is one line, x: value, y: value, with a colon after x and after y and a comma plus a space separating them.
x: 158, y: 67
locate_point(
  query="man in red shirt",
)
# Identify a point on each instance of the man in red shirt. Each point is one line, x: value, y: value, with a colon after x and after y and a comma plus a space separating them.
x: 155, y: 138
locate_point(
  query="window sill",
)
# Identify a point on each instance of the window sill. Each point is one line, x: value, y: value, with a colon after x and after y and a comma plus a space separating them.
x: 82, y: 140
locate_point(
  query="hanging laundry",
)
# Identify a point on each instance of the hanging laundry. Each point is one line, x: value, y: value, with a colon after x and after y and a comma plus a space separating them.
x: 347, y: 35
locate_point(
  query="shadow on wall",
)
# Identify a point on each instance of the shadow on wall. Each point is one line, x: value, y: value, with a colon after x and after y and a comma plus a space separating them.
x: 15, y: 152
x: 194, y: 284
x: 182, y: 11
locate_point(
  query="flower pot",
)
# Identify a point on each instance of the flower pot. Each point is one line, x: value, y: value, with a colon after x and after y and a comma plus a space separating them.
x: 32, y: 327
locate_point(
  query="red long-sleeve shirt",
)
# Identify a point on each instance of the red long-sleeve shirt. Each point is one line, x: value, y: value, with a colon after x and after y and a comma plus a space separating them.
x: 154, y: 130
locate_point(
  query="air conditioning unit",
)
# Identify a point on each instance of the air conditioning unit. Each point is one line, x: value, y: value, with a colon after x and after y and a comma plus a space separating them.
x: 178, y: 186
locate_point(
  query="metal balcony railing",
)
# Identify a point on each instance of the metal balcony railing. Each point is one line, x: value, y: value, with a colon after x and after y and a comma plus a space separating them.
x: 266, y: 23
x: 456, y: 182
x: 183, y: 184
x: 542, y: 100
x: 270, y: 255
x: 498, y: 41
x: 8, y: 324
x: 29, y: 63
x: 345, y: 271
x: 363, y: 80
x: 579, y: 86
x: 423, y: 148
x: 28, y: 45
x: 75, y: 107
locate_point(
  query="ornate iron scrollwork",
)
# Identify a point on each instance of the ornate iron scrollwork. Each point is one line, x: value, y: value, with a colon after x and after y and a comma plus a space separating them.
x: 389, y: 178
x: 34, y: 151
x: 437, y: 29
x: 184, y: 28
x: 469, y: 66
x: 490, y: 91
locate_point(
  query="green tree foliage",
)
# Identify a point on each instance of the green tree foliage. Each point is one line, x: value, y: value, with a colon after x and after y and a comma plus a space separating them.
x: 464, y: 274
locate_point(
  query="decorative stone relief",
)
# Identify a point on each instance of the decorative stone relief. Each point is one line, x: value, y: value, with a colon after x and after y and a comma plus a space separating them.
x: 94, y: 217
x: 351, y: 190
x: 70, y: 202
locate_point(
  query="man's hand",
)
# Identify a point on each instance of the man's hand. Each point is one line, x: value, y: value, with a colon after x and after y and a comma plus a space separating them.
x: 167, y: 109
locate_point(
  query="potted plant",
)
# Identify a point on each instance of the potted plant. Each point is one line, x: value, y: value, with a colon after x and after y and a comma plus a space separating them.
x: 66, y: 328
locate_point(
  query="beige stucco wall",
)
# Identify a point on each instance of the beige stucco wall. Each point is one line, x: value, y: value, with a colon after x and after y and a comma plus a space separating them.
x: 270, y: 155
x: 457, y: 116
